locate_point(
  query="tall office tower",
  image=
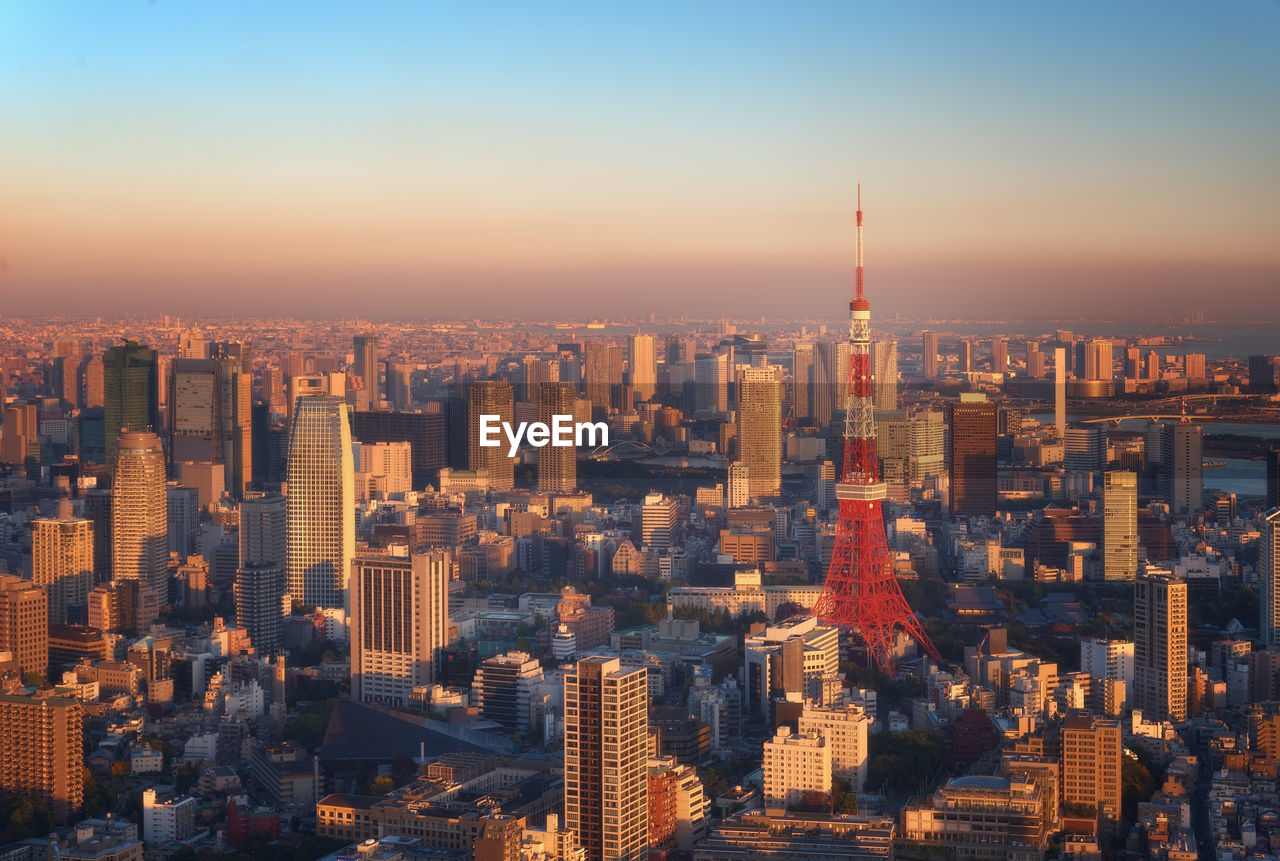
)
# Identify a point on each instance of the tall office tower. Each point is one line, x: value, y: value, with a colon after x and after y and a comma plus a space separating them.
x: 796, y: 768
x: 845, y: 729
x: 966, y: 356
x: 802, y: 365
x: 860, y: 592
x: 606, y: 784
x: 1132, y: 363
x: 929, y: 355
x: 399, y: 622
x: 502, y: 686
x: 1160, y: 646
x: 193, y: 411
x: 557, y: 465
x: 1151, y: 368
x: 1060, y: 391
x: 97, y: 510
x: 642, y: 353
x: 320, y: 508
x: 1269, y: 578
x: 999, y: 356
x: 972, y: 454
x: 94, y: 382
x: 490, y: 398
x: 658, y: 522
x: 21, y: 442
x: 885, y: 355
x: 760, y: 428
x: 602, y: 373
x: 751, y: 350
x: 1120, y: 525
x: 1193, y: 367
x: 366, y: 370
x: 1262, y: 375
x: 42, y: 750
x: 182, y: 505
x: 240, y: 351
x: 834, y: 395
x: 1035, y: 361
x: 1183, y: 460
x: 66, y: 380
x: 263, y: 527
x: 1098, y: 360
x: 1085, y: 448
x: 1273, y: 477
x: 711, y: 383
x: 140, y: 512
x: 62, y: 563
x: 234, y: 413
x: 1077, y: 364
x: 300, y: 385
x: 24, y: 624
x: 1091, y: 756
x: 259, y: 590
x: 399, y: 385
x: 192, y: 345
x: 131, y: 392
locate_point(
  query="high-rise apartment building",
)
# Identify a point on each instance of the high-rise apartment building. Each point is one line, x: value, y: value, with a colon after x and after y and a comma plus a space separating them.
x: 845, y: 729
x: 658, y: 522
x: 41, y: 750
x: 24, y: 624
x: 1183, y: 467
x: 966, y: 356
x: 62, y: 563
x: 365, y: 369
x: 606, y: 746
x: 711, y: 383
x: 642, y: 358
x: 1193, y: 367
x: 760, y: 428
x: 263, y: 527
x: 131, y: 392
x: 1091, y: 757
x: 425, y: 432
x: 399, y: 622
x: 1108, y: 662
x: 885, y: 358
x: 558, y: 464
x: 1060, y: 370
x: 797, y: 769
x: 999, y: 356
x: 1269, y: 578
x: 140, y: 512
x: 1160, y: 646
x: 929, y: 355
x: 1098, y: 360
x: 972, y: 454
x: 320, y: 507
x: 1035, y: 361
x: 602, y: 374
x: 259, y: 594
x: 1120, y: 525
x: 493, y: 398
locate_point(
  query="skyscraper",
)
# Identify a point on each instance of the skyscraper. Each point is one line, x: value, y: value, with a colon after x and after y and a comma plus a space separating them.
x: 320, y: 507
x: 642, y: 354
x: 210, y: 409
x: 399, y: 621
x: 62, y: 563
x: 1000, y: 356
x: 972, y: 450
x: 1035, y: 360
x: 1183, y: 463
x: 557, y: 465
x: 24, y: 624
x: 711, y: 383
x: 366, y: 370
x: 929, y: 362
x: 490, y: 397
x: 193, y: 345
x: 885, y: 363
x: 1160, y: 646
x: 1060, y: 391
x: 1098, y: 360
x: 1262, y: 375
x: 259, y: 594
x: 602, y: 373
x: 1269, y: 578
x: 802, y: 359
x: 966, y: 356
x: 1092, y: 751
x: 606, y: 791
x: 658, y: 522
x: 42, y: 750
x: 760, y: 428
x: 1120, y: 525
x: 131, y: 392
x: 140, y: 512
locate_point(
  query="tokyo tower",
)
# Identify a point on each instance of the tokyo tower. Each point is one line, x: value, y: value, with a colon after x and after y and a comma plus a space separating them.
x: 861, y: 593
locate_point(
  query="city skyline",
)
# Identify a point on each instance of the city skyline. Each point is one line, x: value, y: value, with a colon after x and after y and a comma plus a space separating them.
x: 236, y: 161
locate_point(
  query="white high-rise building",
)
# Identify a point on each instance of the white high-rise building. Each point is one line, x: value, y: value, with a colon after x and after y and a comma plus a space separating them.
x: 1120, y: 525
x: 399, y: 622
x: 1269, y: 578
x: 62, y: 562
x: 739, y: 485
x: 382, y: 469
x: 140, y: 512
x: 845, y: 730
x: 795, y: 768
x: 320, y: 510
x: 1108, y: 660
x: 657, y: 522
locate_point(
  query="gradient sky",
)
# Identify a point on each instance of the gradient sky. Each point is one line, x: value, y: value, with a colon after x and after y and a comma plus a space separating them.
x: 585, y: 159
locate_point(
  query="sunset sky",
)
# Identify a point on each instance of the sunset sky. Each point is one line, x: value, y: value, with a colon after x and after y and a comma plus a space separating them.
x: 586, y: 159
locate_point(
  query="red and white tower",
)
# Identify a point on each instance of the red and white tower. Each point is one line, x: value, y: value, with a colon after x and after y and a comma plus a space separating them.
x: 861, y: 593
